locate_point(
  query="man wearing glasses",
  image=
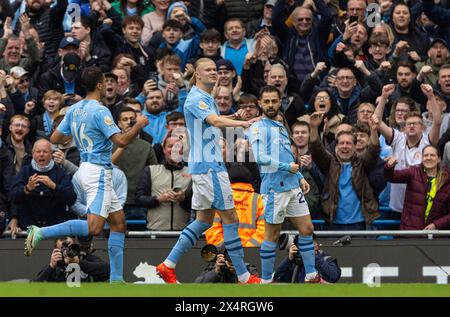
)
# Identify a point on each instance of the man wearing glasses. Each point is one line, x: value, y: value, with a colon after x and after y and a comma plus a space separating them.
x: 346, y: 89
x: 304, y: 45
x: 22, y: 94
x: 17, y: 142
x: 407, y: 146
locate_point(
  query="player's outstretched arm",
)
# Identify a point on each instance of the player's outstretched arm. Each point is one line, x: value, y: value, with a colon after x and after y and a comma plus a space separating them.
x: 123, y: 139
x: 223, y: 122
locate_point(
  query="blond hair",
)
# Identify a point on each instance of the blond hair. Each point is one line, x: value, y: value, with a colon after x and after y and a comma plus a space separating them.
x: 53, y: 94
x: 197, y: 64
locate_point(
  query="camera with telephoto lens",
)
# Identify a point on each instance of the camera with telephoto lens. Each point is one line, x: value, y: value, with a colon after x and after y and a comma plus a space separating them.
x: 286, y: 241
x: 210, y: 252
x: 69, y: 251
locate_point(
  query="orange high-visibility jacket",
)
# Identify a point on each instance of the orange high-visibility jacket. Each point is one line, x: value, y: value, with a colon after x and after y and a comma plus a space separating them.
x: 250, y: 211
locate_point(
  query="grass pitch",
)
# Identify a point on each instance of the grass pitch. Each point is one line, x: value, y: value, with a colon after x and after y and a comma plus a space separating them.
x: 222, y: 290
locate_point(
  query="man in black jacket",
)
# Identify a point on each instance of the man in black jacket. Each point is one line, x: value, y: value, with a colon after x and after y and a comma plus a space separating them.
x: 90, y: 54
x: 93, y: 269
x: 221, y: 270
x: 42, y: 192
x: 129, y: 43
x: 6, y: 175
x: 65, y: 77
x: 327, y: 266
x: 265, y: 21
x: 48, y: 22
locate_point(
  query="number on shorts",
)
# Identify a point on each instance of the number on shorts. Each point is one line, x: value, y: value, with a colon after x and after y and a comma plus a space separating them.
x: 82, y: 139
x: 301, y: 199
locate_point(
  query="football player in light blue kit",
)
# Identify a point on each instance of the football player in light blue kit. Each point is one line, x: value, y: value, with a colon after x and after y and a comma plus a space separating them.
x: 280, y: 179
x: 211, y: 185
x: 94, y: 131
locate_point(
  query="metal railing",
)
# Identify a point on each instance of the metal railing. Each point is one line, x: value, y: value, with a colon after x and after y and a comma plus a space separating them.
x: 324, y: 233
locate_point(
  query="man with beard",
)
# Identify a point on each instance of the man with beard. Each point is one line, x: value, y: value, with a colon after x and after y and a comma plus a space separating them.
x: 438, y: 55
x: 156, y: 114
x: 131, y: 160
x: 210, y: 183
x: 18, y: 144
x: 48, y: 22
x: 282, y: 188
x: 408, y: 84
x: 94, y: 131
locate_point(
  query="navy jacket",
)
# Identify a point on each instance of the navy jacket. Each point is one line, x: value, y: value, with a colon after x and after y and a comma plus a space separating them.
x: 44, y: 206
x: 439, y: 15
x: 326, y: 265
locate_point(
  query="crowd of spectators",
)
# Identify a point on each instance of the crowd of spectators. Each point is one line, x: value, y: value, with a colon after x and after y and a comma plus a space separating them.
x: 365, y: 98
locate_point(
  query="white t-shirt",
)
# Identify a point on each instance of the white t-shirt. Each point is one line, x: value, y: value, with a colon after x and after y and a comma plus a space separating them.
x: 406, y: 157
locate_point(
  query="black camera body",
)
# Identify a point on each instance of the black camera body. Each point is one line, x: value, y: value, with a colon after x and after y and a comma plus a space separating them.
x: 69, y: 251
x: 210, y: 252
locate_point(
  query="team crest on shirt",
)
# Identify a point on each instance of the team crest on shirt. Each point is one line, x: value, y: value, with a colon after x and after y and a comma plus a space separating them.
x: 418, y: 156
x: 202, y: 105
x: 108, y: 120
x: 255, y: 130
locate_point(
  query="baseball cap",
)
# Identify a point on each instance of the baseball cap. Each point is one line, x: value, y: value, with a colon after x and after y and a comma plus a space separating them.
x: 71, y: 66
x: 225, y: 64
x: 438, y: 93
x: 111, y: 75
x: 18, y: 71
x: 270, y: 3
x: 69, y: 40
x: 440, y: 40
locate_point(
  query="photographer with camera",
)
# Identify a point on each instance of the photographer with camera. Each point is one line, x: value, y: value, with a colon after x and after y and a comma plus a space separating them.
x: 220, y: 269
x: 292, y: 270
x: 65, y: 252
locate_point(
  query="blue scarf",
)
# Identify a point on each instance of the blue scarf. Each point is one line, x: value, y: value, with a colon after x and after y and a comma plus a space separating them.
x: 48, y: 123
x: 39, y: 169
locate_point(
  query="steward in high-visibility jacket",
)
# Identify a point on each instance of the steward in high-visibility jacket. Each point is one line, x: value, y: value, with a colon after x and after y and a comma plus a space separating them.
x: 250, y: 211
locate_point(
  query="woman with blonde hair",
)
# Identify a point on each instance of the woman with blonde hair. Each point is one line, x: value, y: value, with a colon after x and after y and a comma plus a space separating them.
x: 427, y: 196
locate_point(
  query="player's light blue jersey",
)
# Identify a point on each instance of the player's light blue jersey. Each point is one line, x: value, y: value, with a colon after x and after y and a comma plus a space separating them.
x: 271, y: 147
x: 91, y: 125
x: 205, y: 152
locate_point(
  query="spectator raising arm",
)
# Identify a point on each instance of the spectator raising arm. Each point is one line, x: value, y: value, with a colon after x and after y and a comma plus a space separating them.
x: 436, y: 112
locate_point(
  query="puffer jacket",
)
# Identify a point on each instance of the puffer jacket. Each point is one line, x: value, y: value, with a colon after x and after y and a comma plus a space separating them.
x: 361, y: 167
x: 246, y: 10
x: 48, y: 23
x: 250, y: 211
x: 413, y: 215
